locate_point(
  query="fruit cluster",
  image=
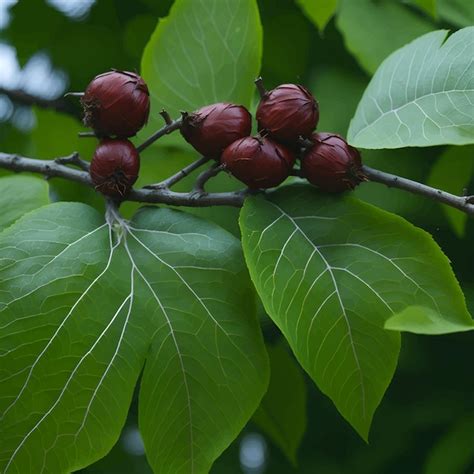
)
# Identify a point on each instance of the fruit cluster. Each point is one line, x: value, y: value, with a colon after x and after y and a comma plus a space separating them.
x: 116, y: 105
x: 287, y: 117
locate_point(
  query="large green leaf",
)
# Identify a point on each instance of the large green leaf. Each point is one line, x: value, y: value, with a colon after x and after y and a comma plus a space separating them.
x: 82, y: 306
x: 282, y: 413
x: 19, y: 195
x: 318, y: 11
x: 205, y: 51
x: 374, y: 29
x: 330, y: 271
x: 452, y: 172
x: 421, y: 95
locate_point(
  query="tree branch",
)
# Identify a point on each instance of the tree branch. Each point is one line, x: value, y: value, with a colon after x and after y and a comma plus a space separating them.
x: 463, y: 203
x: 55, y: 168
x: 60, y: 105
x: 198, y: 197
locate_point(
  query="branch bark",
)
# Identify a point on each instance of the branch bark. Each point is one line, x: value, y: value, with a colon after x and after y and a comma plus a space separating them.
x: 463, y: 203
x: 55, y: 168
x: 59, y: 168
x: 60, y: 105
x: 168, y: 128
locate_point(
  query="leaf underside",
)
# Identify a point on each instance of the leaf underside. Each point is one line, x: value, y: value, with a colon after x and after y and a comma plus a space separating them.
x: 421, y: 95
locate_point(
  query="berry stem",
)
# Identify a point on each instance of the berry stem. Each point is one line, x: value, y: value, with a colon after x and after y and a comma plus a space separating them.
x: 74, y: 94
x: 171, y: 127
x: 166, y: 117
x: 73, y: 159
x: 167, y: 183
x: 260, y: 87
x: 205, y: 176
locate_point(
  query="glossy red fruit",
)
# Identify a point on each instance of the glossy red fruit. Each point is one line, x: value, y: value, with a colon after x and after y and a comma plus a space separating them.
x: 114, y: 168
x: 116, y: 103
x: 332, y: 164
x: 212, y: 128
x: 260, y: 163
x: 287, y: 112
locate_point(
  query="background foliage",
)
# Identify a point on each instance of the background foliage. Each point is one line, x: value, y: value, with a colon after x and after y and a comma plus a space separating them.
x: 426, y: 421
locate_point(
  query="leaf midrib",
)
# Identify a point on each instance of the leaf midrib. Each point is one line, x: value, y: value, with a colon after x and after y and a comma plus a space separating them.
x: 336, y: 287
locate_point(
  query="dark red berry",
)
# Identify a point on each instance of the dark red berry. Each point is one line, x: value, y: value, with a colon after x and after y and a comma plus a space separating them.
x: 116, y: 103
x: 114, y: 168
x: 212, y: 128
x: 287, y: 112
x: 260, y: 163
x: 332, y: 164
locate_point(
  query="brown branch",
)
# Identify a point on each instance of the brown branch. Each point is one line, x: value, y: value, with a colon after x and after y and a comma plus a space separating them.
x: 205, y: 176
x: 75, y: 160
x: 463, y: 203
x: 55, y: 168
x: 60, y: 105
x: 168, y: 128
x: 262, y: 92
x: 198, y: 197
x: 167, y: 183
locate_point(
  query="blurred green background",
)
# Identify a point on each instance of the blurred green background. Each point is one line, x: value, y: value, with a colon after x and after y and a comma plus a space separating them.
x: 425, y: 423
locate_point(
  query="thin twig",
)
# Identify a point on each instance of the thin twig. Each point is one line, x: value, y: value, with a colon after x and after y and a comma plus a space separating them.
x: 166, y: 117
x: 260, y: 87
x: 74, y: 159
x: 87, y: 135
x: 167, y: 183
x: 74, y: 94
x: 205, y: 176
x: 462, y: 203
x: 24, y: 98
x: 171, y: 127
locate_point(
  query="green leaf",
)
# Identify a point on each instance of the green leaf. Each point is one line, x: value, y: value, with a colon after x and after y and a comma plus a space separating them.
x: 19, y: 195
x: 282, y: 412
x: 452, y: 172
x: 318, y: 11
x: 208, y: 377
x: 205, y: 51
x: 330, y: 271
x: 391, y: 25
x: 82, y: 306
x: 421, y: 95
x: 457, y: 12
